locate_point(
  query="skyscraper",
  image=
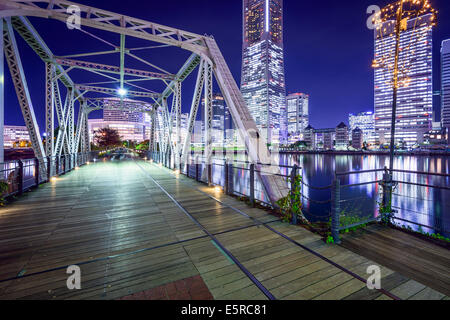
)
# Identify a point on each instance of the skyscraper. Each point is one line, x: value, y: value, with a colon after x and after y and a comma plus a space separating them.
x: 221, y: 121
x: 297, y: 113
x: 445, y: 91
x: 415, y: 97
x: 263, y: 82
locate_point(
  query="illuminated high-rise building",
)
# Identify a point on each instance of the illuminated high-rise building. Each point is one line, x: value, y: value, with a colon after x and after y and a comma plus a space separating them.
x: 365, y: 121
x: 415, y: 96
x: 221, y: 121
x: 297, y: 114
x: 263, y: 81
x: 445, y: 91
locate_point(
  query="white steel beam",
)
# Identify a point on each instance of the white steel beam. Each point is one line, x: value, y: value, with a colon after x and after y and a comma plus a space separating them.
x: 113, y: 92
x: 208, y: 112
x: 49, y: 110
x: 107, y: 21
x: 177, y: 125
x: 21, y: 86
x: 275, y: 186
x: 193, y: 111
x: 84, y: 65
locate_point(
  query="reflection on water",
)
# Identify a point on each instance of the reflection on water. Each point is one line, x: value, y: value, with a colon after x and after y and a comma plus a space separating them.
x: 414, y: 202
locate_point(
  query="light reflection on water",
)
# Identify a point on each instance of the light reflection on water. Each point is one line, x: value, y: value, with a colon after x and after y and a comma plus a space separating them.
x: 424, y: 205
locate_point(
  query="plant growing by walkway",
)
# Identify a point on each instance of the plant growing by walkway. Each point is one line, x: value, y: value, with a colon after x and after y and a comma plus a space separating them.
x: 291, y: 205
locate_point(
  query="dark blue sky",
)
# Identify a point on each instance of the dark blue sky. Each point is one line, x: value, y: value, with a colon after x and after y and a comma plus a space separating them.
x: 328, y: 49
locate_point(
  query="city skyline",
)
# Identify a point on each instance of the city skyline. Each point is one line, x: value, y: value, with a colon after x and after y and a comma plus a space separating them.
x: 304, y: 53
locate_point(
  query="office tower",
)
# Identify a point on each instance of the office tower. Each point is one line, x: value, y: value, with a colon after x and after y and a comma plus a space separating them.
x: 342, y: 138
x: 131, y: 125
x: 445, y: 81
x: 357, y: 138
x: 415, y: 95
x: 297, y: 113
x: 112, y: 111
x: 14, y: 135
x: 366, y: 122
x: 263, y: 81
x: 221, y: 121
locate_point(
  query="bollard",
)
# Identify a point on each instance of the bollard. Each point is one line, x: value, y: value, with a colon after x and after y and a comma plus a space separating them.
x: 252, y: 184
x: 294, y: 174
x: 57, y: 166
x: 227, y: 182
x: 188, y: 167
x: 36, y: 174
x: 209, y: 172
x: 197, y: 170
x: 49, y: 168
x: 335, y: 210
x: 387, y: 180
x: 20, y: 178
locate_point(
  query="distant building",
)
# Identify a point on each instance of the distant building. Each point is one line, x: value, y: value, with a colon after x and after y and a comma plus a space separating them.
x: 342, y: 139
x: 310, y: 137
x: 184, y: 120
x: 128, y: 131
x: 221, y: 122
x: 357, y: 138
x: 297, y: 115
x: 445, y: 91
x: 132, y: 125
x: 415, y: 98
x: 263, y: 81
x: 13, y: 135
x: 325, y: 138
x: 365, y: 121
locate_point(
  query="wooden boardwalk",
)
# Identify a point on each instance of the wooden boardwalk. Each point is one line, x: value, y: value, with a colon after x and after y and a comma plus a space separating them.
x: 138, y: 231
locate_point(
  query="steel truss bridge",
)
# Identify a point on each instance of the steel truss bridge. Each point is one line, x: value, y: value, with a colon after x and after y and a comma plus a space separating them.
x: 73, y: 134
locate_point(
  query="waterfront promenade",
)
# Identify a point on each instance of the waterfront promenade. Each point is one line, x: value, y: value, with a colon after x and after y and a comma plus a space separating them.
x: 139, y: 231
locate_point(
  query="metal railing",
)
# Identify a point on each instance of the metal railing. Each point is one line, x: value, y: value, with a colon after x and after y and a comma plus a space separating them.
x: 352, y: 200
x: 385, y: 203
x: 240, y: 178
x: 23, y: 175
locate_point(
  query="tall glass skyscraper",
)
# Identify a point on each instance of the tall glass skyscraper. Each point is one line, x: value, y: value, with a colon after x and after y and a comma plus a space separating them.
x: 415, y: 99
x: 297, y: 114
x: 263, y: 82
x: 445, y: 91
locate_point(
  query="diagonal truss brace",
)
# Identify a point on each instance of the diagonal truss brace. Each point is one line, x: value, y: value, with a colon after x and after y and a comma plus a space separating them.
x: 17, y: 73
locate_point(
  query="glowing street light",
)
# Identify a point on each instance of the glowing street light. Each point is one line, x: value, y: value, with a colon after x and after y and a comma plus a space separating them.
x: 122, y: 92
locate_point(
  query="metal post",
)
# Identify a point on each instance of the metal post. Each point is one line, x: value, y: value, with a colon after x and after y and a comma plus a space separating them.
x: 36, y: 174
x: 209, y: 172
x: 49, y: 168
x: 197, y: 170
x: 65, y: 164
x: 57, y: 166
x: 252, y: 184
x: 227, y: 182
x: 187, y: 168
x: 395, y: 84
x: 387, y: 192
x: 20, y: 178
x: 294, y: 174
x: 336, y: 210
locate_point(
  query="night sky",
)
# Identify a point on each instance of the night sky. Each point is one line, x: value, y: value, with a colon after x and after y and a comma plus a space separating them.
x: 328, y: 50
